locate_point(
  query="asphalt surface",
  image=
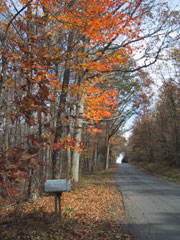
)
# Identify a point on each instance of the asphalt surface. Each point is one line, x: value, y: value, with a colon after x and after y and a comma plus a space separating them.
x: 152, y: 205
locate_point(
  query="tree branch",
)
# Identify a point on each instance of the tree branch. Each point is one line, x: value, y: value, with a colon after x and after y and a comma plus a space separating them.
x: 12, y: 19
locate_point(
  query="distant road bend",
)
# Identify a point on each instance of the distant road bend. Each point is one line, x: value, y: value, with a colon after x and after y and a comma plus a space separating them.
x: 152, y: 205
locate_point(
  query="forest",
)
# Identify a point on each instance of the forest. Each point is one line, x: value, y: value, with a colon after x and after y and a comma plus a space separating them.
x: 72, y: 73
x: 155, y: 137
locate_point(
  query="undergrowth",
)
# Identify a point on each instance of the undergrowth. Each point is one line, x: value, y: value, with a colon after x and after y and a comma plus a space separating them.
x: 160, y: 170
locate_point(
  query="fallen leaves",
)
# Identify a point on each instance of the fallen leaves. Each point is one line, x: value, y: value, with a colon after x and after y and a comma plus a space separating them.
x: 93, y: 210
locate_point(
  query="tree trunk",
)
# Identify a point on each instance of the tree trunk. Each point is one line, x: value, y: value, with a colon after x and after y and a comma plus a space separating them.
x: 107, y: 154
x: 61, y: 108
x: 69, y: 152
x: 107, y: 142
x: 69, y: 155
x: 94, y: 158
x: 59, y: 123
x: 78, y: 135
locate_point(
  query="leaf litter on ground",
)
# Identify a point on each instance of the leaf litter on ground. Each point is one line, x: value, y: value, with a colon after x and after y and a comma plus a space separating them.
x: 92, y: 210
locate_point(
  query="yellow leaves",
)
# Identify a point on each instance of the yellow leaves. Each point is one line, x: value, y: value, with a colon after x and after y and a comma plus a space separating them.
x: 119, y: 57
x: 10, y: 83
x: 48, y: 136
x: 3, y: 6
x: 30, y: 101
x: 26, y: 156
x: 98, y: 54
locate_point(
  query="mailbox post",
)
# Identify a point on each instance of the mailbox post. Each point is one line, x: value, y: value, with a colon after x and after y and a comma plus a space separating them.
x: 57, y: 187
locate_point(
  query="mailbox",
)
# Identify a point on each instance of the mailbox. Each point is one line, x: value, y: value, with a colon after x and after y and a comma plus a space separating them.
x: 57, y: 186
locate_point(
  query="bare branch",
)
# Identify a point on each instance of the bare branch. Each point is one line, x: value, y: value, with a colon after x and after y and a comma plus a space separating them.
x: 12, y: 19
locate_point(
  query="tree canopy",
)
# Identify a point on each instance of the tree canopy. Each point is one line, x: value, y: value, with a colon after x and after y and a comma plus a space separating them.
x: 72, y: 72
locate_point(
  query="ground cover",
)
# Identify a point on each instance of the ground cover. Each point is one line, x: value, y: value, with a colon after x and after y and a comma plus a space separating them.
x: 160, y: 170
x: 92, y: 210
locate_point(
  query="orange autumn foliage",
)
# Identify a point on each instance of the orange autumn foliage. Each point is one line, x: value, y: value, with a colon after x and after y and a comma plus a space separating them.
x: 38, y: 52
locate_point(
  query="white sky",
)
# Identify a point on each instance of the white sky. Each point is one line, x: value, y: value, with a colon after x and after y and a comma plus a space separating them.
x: 174, y: 5
x: 120, y: 158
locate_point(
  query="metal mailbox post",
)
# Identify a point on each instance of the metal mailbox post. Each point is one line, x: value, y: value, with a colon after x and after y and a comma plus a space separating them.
x: 57, y: 187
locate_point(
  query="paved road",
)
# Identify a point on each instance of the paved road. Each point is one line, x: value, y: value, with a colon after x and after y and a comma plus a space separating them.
x: 152, y: 205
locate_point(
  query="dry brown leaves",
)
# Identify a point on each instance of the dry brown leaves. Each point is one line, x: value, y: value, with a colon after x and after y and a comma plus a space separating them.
x: 92, y: 211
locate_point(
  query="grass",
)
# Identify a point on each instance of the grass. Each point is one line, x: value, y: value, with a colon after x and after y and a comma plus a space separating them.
x: 160, y: 170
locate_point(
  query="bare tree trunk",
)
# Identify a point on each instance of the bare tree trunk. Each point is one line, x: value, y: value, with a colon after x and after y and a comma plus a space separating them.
x: 78, y: 137
x: 59, y: 124
x: 40, y: 172
x: 6, y: 143
x: 107, y: 154
x: 107, y: 142
x: 94, y: 161
x: 69, y: 152
x: 7, y: 125
x: 61, y: 108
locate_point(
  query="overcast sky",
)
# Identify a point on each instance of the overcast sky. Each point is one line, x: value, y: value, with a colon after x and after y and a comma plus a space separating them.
x: 174, y: 3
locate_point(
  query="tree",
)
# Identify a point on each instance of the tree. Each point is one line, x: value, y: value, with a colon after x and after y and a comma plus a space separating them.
x: 53, y: 83
x: 155, y: 136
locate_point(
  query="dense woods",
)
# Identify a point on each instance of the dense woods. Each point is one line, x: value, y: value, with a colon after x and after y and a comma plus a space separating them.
x: 156, y: 133
x: 69, y: 81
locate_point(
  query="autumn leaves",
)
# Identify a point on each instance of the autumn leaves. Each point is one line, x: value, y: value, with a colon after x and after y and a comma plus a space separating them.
x: 54, y: 67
